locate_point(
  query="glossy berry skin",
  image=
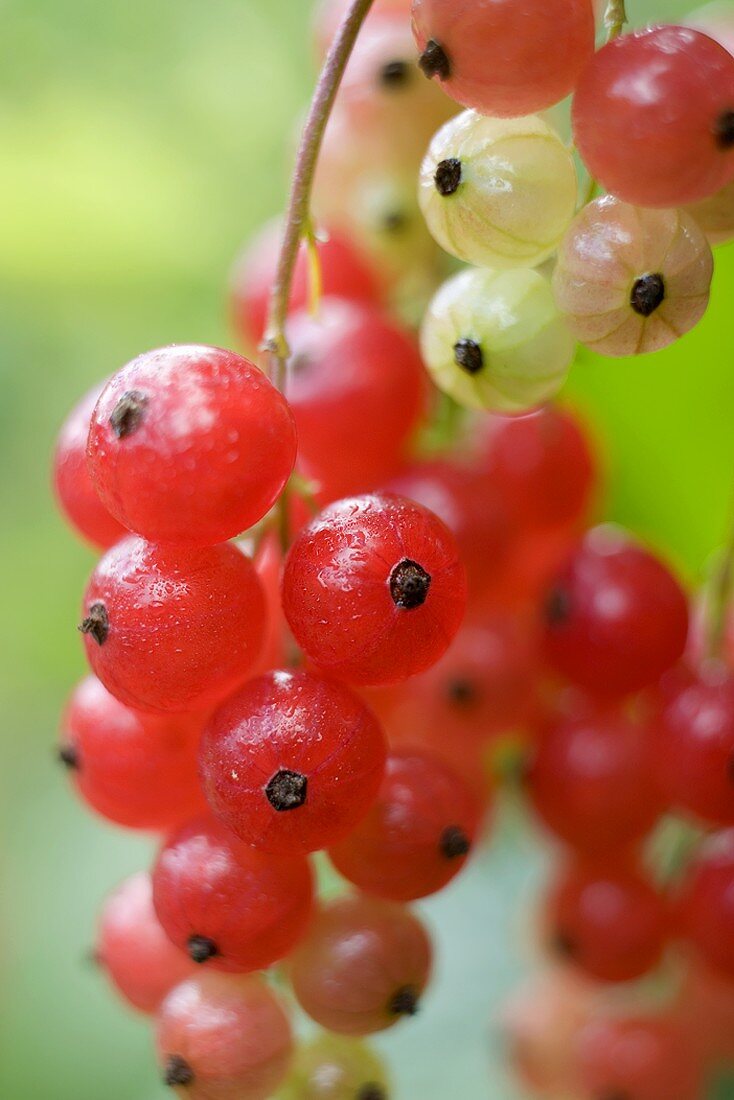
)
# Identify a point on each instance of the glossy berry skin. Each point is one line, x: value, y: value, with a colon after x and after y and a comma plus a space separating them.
x: 416, y: 836
x: 332, y: 1067
x: 592, y: 780
x: 638, y: 1058
x: 136, y: 769
x: 373, y: 589
x: 344, y: 274
x: 136, y: 954
x: 504, y: 58
x: 357, y: 388
x: 705, y: 908
x: 172, y: 628
x: 616, y: 616
x: 292, y: 762
x: 498, y: 193
x: 219, y: 1037
x: 652, y: 117
x: 362, y: 966
x: 543, y: 464
x: 694, y: 746
x: 471, y: 506
x: 75, y: 493
x: 190, y: 445
x: 630, y: 280
x: 226, y: 904
x: 608, y: 920
x: 495, y: 340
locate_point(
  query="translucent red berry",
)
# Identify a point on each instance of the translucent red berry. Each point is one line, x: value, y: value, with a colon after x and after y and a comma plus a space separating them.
x: 638, y: 1058
x: 172, y: 628
x: 75, y: 493
x: 607, y: 919
x: 363, y: 965
x: 292, y: 762
x: 190, y: 445
x: 134, y: 950
x: 543, y: 464
x: 694, y: 746
x: 705, y: 908
x: 374, y: 590
x: 592, y: 779
x: 653, y: 116
x: 504, y: 59
x: 357, y: 388
x: 344, y: 274
x: 135, y: 769
x: 417, y: 835
x: 226, y: 904
x: 616, y: 616
x: 219, y: 1037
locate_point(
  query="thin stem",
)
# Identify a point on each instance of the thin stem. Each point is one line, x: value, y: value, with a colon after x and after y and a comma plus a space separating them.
x: 720, y: 599
x: 275, y: 344
x: 615, y: 18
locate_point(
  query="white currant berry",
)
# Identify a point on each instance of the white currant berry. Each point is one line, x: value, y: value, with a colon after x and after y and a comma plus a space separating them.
x: 498, y: 192
x: 495, y: 340
x: 631, y: 280
x: 715, y: 215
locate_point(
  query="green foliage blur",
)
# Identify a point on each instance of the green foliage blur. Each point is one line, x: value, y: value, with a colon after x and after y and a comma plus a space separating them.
x: 140, y: 143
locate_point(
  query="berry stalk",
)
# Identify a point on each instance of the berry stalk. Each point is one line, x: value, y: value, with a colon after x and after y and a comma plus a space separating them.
x: 615, y: 18
x: 297, y: 219
x: 721, y: 591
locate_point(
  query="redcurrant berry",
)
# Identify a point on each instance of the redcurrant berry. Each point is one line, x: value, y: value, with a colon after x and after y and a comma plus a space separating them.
x: 363, y: 965
x: 292, y: 762
x: 226, y: 904
x: 504, y: 59
x: 374, y: 590
x: 135, y: 952
x: 136, y: 769
x: 592, y: 779
x: 417, y: 835
x: 75, y: 493
x: 616, y: 616
x: 608, y: 920
x: 190, y: 445
x: 653, y: 116
x: 705, y: 908
x: 638, y: 1058
x: 172, y: 628
x: 220, y: 1037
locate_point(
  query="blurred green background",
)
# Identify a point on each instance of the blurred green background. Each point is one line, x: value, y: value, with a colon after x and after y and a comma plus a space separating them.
x: 140, y: 143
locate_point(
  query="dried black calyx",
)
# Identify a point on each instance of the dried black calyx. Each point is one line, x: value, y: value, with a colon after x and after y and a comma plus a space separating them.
x: 461, y: 692
x: 724, y: 130
x: 127, y: 414
x: 434, y: 61
x: 647, y: 294
x: 68, y: 755
x: 201, y: 949
x: 448, y: 176
x: 454, y: 842
x: 97, y: 623
x: 404, y: 1001
x: 409, y: 585
x: 177, y: 1072
x: 395, y: 74
x: 287, y: 790
x: 371, y: 1092
x: 469, y: 356
x: 563, y: 944
x: 557, y: 607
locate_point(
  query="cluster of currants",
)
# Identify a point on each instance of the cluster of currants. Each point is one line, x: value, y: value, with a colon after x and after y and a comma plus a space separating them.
x: 361, y: 680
